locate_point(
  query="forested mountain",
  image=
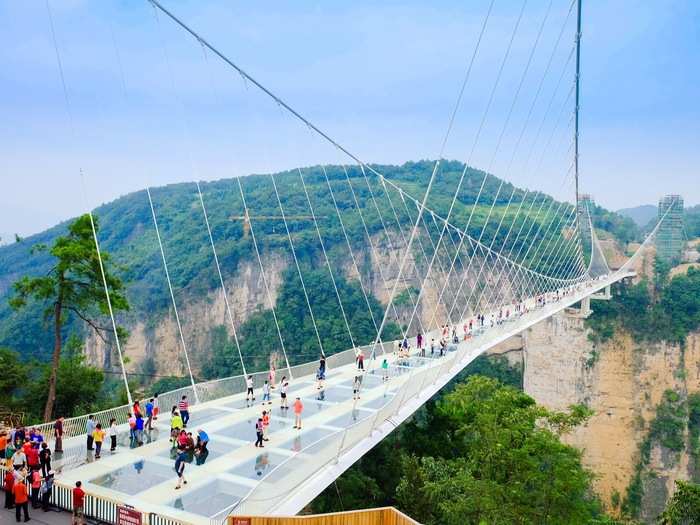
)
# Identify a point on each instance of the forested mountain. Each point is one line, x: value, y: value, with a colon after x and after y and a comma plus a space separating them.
x: 127, y: 232
x: 641, y: 215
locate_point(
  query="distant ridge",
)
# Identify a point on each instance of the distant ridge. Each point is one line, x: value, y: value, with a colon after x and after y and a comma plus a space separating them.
x: 641, y: 215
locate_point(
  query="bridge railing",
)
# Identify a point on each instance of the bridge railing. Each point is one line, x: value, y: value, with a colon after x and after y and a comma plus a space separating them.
x: 272, y: 489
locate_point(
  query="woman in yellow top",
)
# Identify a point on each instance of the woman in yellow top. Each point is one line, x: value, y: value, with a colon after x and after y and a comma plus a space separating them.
x: 98, y: 436
x: 176, y: 425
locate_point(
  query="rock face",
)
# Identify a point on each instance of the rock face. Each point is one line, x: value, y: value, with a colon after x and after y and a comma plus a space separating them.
x: 624, y: 383
x: 157, y: 346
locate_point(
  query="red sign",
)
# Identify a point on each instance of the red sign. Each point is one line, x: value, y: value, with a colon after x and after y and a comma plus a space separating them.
x: 238, y: 520
x: 128, y: 516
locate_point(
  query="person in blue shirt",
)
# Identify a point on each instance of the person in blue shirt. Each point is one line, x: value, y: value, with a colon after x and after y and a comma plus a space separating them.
x: 149, y: 415
x: 89, y: 429
x: 202, y: 441
x: 139, y: 429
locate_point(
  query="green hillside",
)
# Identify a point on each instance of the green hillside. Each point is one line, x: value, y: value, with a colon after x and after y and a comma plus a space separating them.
x: 128, y: 233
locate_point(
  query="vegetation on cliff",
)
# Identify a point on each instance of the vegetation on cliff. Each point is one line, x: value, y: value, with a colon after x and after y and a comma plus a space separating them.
x: 667, y: 310
x: 484, y: 453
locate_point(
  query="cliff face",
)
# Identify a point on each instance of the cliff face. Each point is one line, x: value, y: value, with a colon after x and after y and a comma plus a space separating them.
x: 154, y: 343
x: 624, y: 383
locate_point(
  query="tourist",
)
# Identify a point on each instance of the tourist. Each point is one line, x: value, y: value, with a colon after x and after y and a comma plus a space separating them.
x: 156, y: 408
x: 432, y: 346
x: 32, y: 453
x: 136, y: 409
x: 259, y: 431
x: 249, y: 396
x: 89, y: 429
x: 322, y: 366
x: 266, y: 393
x: 184, y: 408
x: 175, y: 424
x: 58, y: 435
x: 283, y: 393
x: 360, y: 359
x: 132, y: 428
x: 202, y: 441
x: 45, y: 458
x: 19, y: 491
x: 182, y: 439
x: 272, y: 375
x: 138, y: 431
x: 98, y: 437
x: 356, y: 388
x: 35, y: 482
x: 419, y: 341
x: 149, y: 415
x: 180, y: 461
x: 298, y: 409
x: 78, y: 504
x: 8, y: 485
x: 46, y: 490
x: 112, y: 431
x: 189, y: 443
x: 19, y: 459
x: 3, y: 443
x: 266, y: 424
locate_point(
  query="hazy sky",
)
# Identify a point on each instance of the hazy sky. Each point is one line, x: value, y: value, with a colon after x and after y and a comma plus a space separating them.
x: 148, y: 106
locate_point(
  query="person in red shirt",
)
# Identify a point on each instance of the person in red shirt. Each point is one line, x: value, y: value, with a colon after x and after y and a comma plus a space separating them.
x: 78, y: 504
x: 19, y: 491
x: 35, y: 479
x: 8, y: 486
x: 32, y: 454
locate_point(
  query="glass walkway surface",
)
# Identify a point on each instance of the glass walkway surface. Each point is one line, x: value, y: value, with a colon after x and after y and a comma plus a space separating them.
x: 236, y: 477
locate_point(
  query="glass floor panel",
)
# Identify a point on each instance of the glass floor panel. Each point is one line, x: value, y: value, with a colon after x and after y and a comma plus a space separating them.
x: 215, y: 449
x: 377, y: 402
x: 135, y: 478
x: 349, y: 418
x: 245, y: 430
x: 304, y: 439
x: 311, y: 407
x: 334, y: 394
x: 259, y: 466
x: 370, y: 380
x: 211, y: 498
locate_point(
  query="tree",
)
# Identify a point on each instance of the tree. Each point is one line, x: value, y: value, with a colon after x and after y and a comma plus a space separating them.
x: 13, y: 373
x: 684, y: 507
x: 73, y: 285
x: 500, y: 461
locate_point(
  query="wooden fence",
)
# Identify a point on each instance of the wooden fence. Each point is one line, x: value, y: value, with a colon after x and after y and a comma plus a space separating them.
x: 380, y: 516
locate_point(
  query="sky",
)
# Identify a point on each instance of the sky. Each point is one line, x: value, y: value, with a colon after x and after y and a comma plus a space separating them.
x: 145, y: 104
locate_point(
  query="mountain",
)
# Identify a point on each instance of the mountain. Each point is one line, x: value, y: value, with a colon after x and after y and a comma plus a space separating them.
x: 127, y: 232
x: 641, y: 215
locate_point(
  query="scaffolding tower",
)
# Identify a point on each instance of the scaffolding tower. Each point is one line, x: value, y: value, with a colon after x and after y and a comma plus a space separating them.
x: 670, y: 237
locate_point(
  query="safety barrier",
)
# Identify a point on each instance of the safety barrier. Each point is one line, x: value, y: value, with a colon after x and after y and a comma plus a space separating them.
x: 379, y: 516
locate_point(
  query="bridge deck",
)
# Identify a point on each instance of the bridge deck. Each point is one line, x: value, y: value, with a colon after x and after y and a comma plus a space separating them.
x: 336, y: 432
